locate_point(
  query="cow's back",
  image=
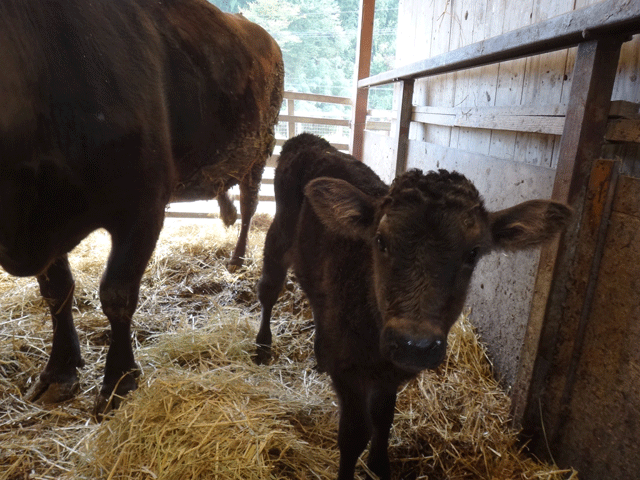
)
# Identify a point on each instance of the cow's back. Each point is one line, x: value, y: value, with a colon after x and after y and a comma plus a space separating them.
x: 225, y: 88
x: 79, y: 76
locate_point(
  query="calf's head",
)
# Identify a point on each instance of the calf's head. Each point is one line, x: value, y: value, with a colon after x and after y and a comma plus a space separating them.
x: 426, y: 236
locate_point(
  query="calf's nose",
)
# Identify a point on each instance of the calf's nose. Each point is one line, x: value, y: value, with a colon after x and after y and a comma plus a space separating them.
x: 411, y: 352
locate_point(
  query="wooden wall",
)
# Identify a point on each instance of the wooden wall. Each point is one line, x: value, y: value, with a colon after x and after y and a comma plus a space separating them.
x: 507, y: 166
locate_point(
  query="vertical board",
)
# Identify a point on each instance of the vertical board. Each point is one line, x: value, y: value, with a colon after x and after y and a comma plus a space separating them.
x: 601, y: 430
x: 510, y: 79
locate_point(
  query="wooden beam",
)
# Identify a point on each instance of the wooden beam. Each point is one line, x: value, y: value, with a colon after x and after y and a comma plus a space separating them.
x: 314, y: 97
x: 363, y: 69
x: 611, y: 17
x: 548, y: 119
x: 313, y: 120
x: 587, y: 113
x: 401, y: 130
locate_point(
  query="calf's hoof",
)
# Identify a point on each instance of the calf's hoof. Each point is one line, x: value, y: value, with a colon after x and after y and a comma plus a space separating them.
x: 234, y: 267
x: 262, y: 355
x: 43, y: 393
x: 110, y: 398
x: 105, y: 404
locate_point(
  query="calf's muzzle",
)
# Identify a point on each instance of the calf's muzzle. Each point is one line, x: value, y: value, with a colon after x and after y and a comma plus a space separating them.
x: 411, y: 352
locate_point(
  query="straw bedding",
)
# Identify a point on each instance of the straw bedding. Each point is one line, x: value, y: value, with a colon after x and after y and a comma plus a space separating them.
x: 203, y: 409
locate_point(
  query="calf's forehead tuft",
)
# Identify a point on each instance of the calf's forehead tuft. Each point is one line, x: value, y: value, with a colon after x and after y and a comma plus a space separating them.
x: 444, y: 188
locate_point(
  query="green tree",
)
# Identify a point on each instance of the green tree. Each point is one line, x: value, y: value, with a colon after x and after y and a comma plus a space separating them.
x: 318, y: 41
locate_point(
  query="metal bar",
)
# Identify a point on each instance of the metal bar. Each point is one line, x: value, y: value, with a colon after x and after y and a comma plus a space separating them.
x: 611, y: 17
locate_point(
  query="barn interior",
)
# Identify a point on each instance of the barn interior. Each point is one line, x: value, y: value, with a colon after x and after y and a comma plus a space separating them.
x: 535, y: 99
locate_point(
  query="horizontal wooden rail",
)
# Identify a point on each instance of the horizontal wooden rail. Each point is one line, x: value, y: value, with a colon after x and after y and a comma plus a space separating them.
x: 611, y: 17
x: 314, y: 97
x: 315, y: 120
x: 623, y: 125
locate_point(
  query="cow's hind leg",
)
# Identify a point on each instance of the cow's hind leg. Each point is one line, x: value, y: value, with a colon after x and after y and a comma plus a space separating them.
x: 274, y: 272
x: 59, y: 380
x: 132, y: 246
x: 249, y: 190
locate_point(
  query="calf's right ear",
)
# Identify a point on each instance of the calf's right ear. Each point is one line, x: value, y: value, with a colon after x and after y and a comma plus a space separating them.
x: 341, y: 207
x: 528, y: 224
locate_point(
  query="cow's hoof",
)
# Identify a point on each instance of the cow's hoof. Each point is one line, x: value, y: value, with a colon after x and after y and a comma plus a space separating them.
x: 43, y: 393
x: 110, y: 398
x: 262, y: 355
x: 105, y: 404
x: 234, y: 266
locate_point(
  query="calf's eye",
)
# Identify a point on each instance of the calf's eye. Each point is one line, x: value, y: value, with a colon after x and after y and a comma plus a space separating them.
x: 382, y: 245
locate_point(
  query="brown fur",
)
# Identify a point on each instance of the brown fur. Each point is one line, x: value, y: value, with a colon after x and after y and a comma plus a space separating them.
x: 386, y: 271
x: 109, y: 110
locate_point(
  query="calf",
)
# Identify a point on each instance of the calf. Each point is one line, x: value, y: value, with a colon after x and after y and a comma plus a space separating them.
x: 386, y: 271
x: 109, y: 110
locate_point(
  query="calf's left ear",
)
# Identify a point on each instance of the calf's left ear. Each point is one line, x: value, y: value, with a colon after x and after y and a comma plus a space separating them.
x: 528, y: 224
x: 341, y: 207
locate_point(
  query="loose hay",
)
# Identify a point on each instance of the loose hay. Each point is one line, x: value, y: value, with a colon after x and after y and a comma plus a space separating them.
x: 203, y: 409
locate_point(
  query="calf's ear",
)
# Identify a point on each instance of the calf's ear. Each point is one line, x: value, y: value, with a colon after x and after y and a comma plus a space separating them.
x: 528, y: 224
x: 341, y: 207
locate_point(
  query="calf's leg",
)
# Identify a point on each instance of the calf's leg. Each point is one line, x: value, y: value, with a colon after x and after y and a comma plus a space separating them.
x: 381, y: 404
x: 59, y: 380
x: 353, y: 428
x: 274, y: 272
x: 132, y: 246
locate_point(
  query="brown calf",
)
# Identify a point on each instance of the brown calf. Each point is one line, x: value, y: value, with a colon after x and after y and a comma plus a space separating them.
x: 109, y: 109
x: 386, y: 271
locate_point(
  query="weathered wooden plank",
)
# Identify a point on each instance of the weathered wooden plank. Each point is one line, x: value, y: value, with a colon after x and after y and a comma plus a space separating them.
x: 544, y: 119
x: 536, y: 110
x: 623, y: 130
x: 314, y: 120
x: 510, y: 78
x: 617, y: 17
x: 363, y: 68
x: 401, y: 130
x: 462, y: 35
x: 587, y: 112
x: 339, y: 146
x: 438, y: 90
x: 624, y: 109
x: 314, y: 97
x: 516, y: 123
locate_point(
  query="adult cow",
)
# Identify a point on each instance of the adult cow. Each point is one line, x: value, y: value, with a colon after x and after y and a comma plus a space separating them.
x: 109, y: 110
x: 386, y: 271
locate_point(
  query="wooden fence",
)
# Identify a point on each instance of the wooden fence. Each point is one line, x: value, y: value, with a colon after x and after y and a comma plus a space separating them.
x: 291, y: 123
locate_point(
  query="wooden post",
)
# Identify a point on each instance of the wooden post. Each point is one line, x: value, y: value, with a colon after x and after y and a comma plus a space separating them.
x: 401, y: 130
x: 585, y: 124
x: 363, y: 68
x: 291, y: 125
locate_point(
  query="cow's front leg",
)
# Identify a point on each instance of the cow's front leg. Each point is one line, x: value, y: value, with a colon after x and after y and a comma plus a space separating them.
x: 59, y: 380
x: 353, y: 429
x: 381, y: 403
x: 119, y: 288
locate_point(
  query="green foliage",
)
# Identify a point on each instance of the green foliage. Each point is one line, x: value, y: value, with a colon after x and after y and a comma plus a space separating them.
x: 318, y: 40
